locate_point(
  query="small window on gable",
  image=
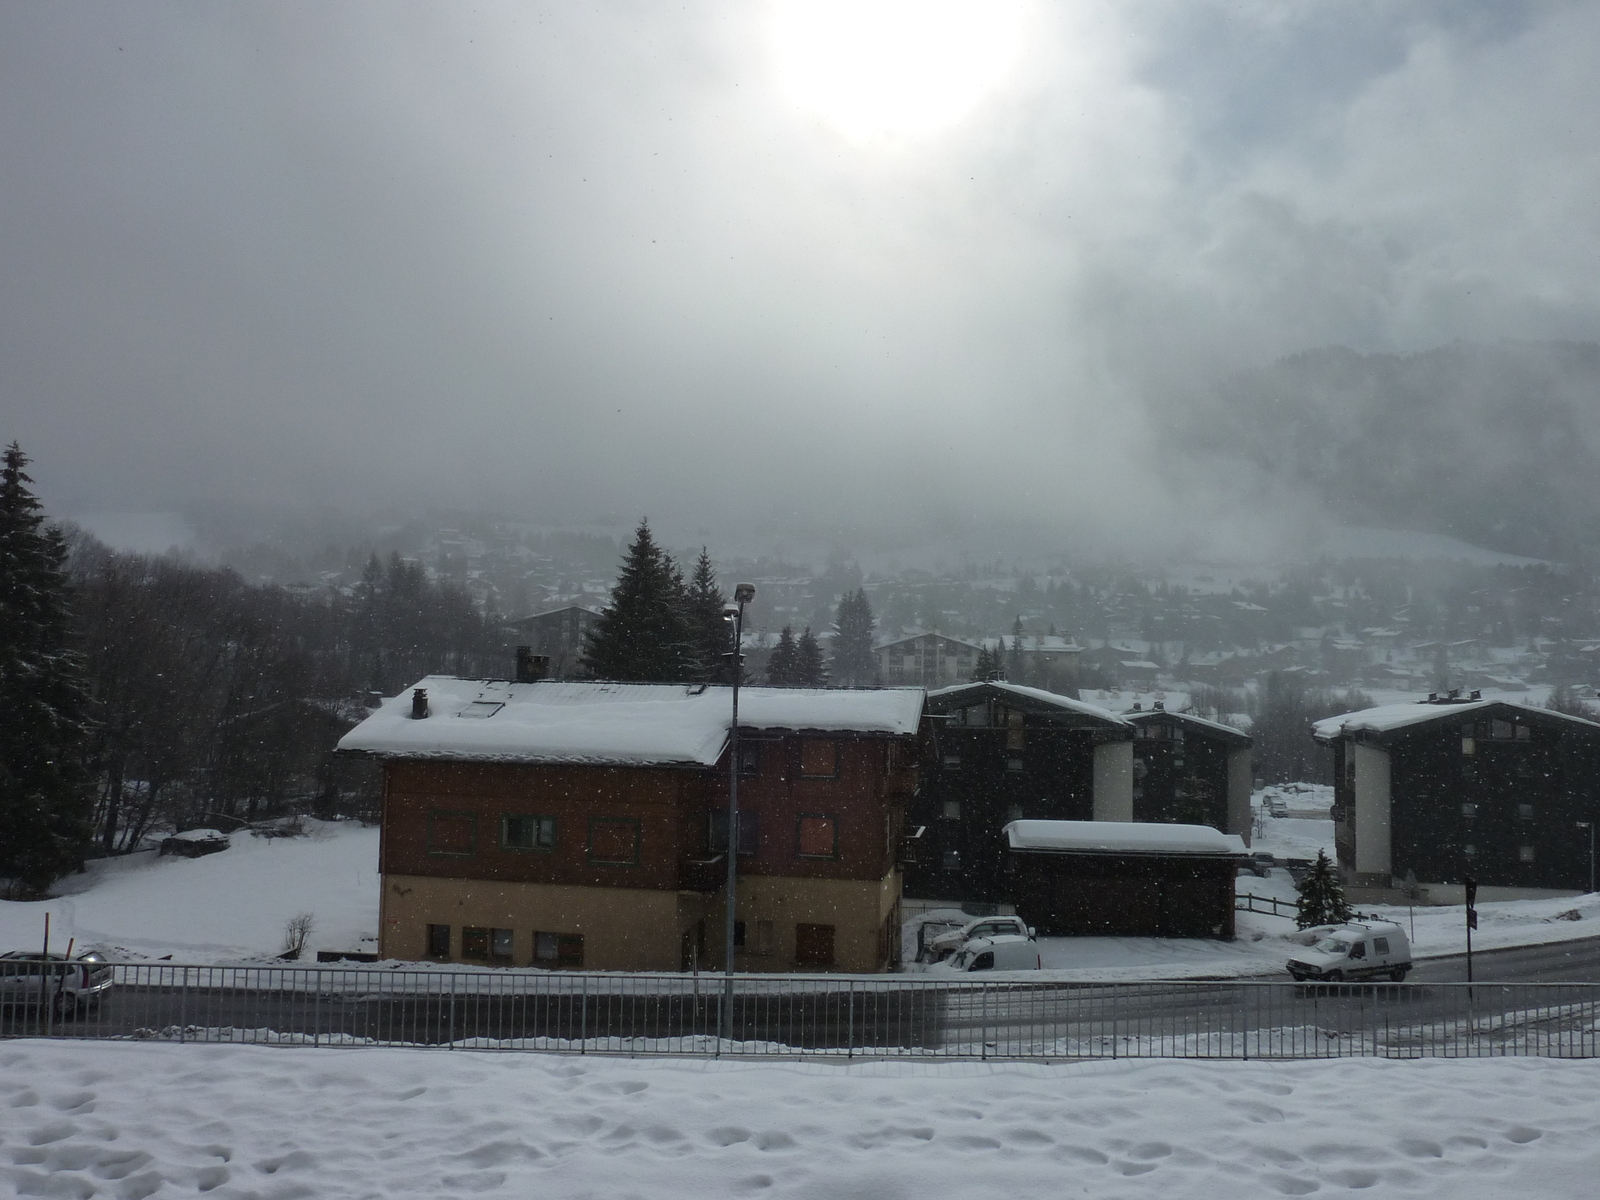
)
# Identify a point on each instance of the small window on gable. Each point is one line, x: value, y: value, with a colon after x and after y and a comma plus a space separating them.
x: 1525, y: 854
x: 1469, y: 850
x: 614, y: 841
x: 1015, y: 764
x: 819, y: 758
x: 1500, y: 730
x: 952, y: 762
x: 1469, y: 810
x: 1525, y: 812
x: 951, y: 810
x: 951, y: 860
x: 452, y: 832
x: 817, y: 836
x: 1524, y: 733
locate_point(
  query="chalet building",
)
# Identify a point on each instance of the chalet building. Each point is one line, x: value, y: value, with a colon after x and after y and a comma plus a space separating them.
x: 1190, y: 771
x: 997, y: 753
x: 927, y: 660
x: 1450, y: 787
x: 1123, y: 879
x: 557, y: 635
x: 568, y: 824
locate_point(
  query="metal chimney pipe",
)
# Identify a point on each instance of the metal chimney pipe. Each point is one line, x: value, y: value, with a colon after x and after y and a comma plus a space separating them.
x: 531, y: 667
x: 419, y: 703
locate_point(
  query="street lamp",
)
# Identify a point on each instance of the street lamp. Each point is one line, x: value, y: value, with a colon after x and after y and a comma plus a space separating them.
x: 733, y: 612
x: 1589, y: 825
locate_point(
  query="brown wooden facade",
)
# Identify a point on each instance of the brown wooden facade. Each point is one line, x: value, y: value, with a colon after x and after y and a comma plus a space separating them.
x: 623, y: 867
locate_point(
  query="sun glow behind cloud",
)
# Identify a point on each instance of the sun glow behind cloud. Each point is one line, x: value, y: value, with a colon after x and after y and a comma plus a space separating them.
x: 895, y: 67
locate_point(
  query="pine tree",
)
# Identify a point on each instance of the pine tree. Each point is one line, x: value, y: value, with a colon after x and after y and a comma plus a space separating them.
x: 45, y: 789
x: 1014, y: 670
x: 644, y: 634
x: 852, y: 640
x: 1322, y: 899
x: 783, y: 664
x: 809, y: 668
x: 989, y: 666
x: 708, y: 628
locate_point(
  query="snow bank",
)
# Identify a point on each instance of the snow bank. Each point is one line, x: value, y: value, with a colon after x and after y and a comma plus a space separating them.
x: 613, y: 723
x: 132, y: 1119
x: 225, y: 907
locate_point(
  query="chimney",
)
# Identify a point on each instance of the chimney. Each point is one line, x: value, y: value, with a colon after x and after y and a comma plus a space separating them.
x: 419, y: 703
x: 531, y: 667
x: 1159, y: 706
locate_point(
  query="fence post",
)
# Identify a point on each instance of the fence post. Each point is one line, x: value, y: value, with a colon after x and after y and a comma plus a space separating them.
x: 850, y: 1033
x: 183, y: 1004
x: 583, y: 1017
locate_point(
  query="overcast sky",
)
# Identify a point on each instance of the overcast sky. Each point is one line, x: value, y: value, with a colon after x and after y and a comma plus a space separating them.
x: 715, y: 258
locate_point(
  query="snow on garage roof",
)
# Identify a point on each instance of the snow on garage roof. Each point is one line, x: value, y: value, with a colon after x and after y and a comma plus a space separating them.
x: 1122, y: 837
x: 616, y: 724
x: 1386, y: 718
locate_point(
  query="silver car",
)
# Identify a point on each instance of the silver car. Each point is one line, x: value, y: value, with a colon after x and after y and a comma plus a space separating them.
x: 946, y: 944
x: 28, y: 978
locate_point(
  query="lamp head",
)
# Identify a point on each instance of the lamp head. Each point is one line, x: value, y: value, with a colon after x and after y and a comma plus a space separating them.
x: 743, y: 593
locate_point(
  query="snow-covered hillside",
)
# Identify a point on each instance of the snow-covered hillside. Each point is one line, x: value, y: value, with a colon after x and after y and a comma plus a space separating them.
x: 225, y: 907
x: 137, y: 1120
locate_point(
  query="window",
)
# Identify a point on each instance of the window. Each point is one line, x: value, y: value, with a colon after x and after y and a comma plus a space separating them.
x: 1468, y: 746
x: 1469, y: 811
x: 1380, y: 945
x: 1525, y: 854
x: 614, y: 841
x: 1469, y: 850
x: 1500, y: 730
x: 951, y: 810
x: 749, y: 830
x: 1524, y: 733
x: 528, y: 833
x: 952, y: 762
x: 1014, y: 764
x: 817, y: 836
x: 1525, y: 812
x: 452, y: 832
x: 819, y: 758
x: 486, y: 945
x: 813, y: 945
x: 1016, y: 738
x: 749, y: 758
x: 765, y: 938
x: 438, y: 941
x: 738, y: 935
x: 952, y: 860
x: 1359, y: 950
x: 558, y: 949
x: 482, y: 709
x: 1014, y: 812
x: 984, y: 962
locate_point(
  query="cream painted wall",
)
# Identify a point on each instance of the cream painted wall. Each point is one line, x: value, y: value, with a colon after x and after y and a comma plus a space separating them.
x: 1372, y: 810
x: 1113, y: 781
x: 1239, y: 788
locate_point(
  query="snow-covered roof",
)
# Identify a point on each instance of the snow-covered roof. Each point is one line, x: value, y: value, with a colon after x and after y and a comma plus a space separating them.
x: 946, y: 698
x: 1122, y: 837
x: 1386, y: 718
x: 1227, y: 732
x: 617, y: 724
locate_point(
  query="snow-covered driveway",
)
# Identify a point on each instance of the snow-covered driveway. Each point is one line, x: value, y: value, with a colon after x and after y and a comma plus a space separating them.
x: 131, y: 1121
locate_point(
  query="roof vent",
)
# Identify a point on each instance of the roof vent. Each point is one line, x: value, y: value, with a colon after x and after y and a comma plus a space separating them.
x: 1159, y: 706
x: 1137, y: 707
x: 419, y: 703
x: 1476, y: 694
x: 1433, y: 697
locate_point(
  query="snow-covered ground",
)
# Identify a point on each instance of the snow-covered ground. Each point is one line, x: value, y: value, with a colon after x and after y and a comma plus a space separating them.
x: 132, y: 1120
x: 231, y: 906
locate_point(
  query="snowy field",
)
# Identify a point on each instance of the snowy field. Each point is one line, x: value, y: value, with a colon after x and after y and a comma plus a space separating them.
x: 129, y: 1121
x: 226, y: 907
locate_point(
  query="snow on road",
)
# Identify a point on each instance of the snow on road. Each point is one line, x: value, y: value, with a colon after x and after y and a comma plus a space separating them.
x: 130, y: 1120
x: 226, y: 907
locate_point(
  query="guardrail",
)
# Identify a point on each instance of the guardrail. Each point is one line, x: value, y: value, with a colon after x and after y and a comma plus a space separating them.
x: 889, y: 1016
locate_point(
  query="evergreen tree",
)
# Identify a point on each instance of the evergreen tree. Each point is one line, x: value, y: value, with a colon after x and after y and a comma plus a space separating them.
x: 708, y: 628
x: 45, y: 791
x: 989, y: 666
x: 1322, y: 899
x: 809, y: 669
x: 1015, y: 672
x: 852, y: 640
x: 783, y: 664
x: 644, y: 634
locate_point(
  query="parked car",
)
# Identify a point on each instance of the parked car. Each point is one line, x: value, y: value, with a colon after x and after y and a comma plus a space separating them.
x: 1260, y: 864
x: 1002, y: 952
x: 26, y: 977
x: 1356, y: 950
x: 1277, y: 806
x: 946, y: 944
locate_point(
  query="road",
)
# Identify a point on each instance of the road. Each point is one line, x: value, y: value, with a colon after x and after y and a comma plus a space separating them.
x: 1011, y: 1016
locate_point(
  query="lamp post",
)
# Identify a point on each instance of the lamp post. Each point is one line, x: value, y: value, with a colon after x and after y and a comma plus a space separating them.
x: 1589, y: 825
x: 734, y: 611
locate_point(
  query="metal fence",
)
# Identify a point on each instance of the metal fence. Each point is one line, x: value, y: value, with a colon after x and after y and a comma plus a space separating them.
x: 845, y: 1017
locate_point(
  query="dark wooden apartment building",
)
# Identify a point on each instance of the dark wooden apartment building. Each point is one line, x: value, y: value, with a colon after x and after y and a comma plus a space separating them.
x: 567, y: 824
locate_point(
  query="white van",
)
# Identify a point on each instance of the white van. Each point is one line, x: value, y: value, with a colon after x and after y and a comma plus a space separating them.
x: 1357, y: 950
x: 1003, y: 952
